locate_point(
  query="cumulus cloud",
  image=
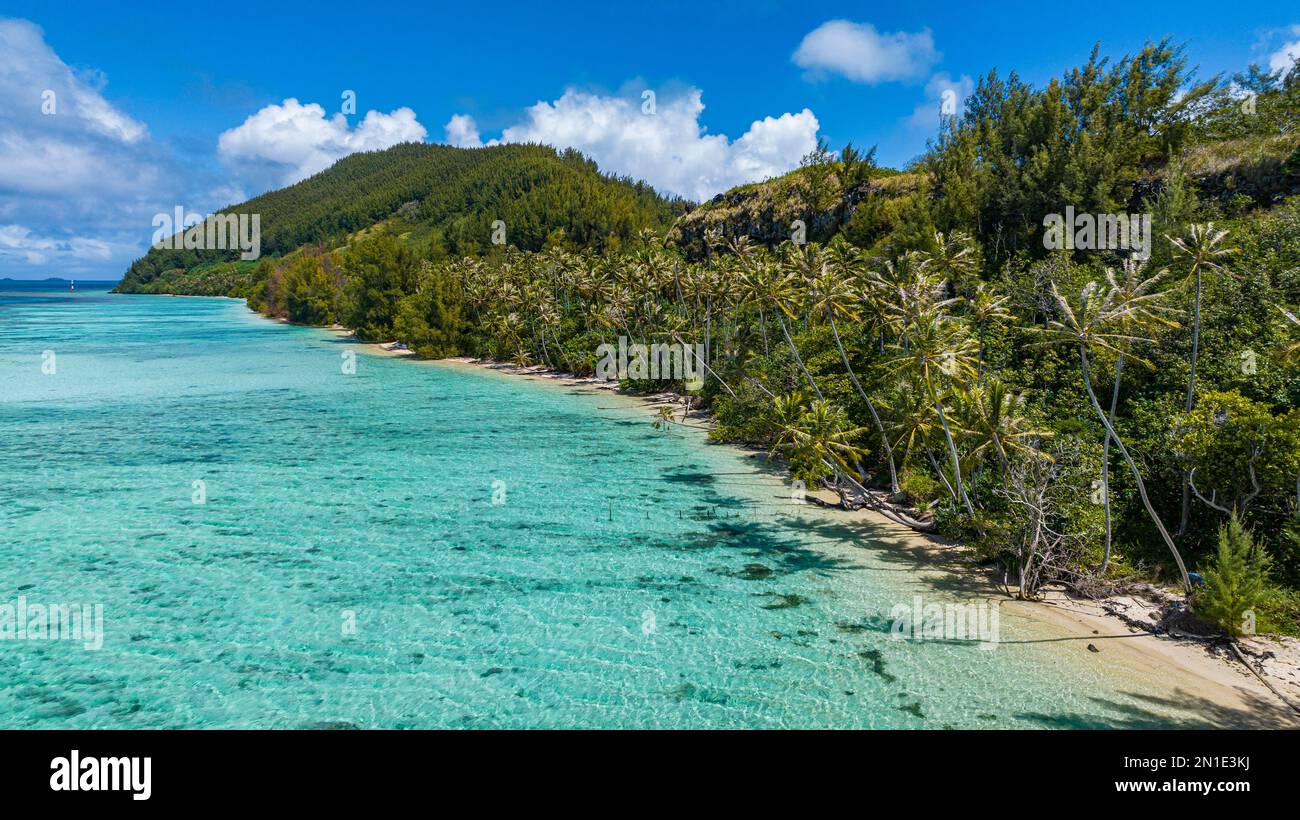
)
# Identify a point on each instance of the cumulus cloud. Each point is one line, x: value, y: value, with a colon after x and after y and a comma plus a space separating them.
x: 32, y: 72
x: 79, y: 177
x: 72, y: 254
x: 668, y: 148
x: 862, y: 54
x: 462, y: 132
x: 1284, y: 58
x: 291, y: 141
x: 58, y: 135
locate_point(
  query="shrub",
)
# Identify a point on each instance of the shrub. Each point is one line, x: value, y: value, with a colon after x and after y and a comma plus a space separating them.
x: 1235, y: 581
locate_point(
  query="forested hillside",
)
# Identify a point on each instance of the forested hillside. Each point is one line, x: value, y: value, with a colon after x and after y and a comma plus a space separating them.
x: 439, y: 199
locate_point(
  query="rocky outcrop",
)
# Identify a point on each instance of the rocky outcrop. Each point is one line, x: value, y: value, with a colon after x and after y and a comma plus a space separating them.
x: 766, y: 211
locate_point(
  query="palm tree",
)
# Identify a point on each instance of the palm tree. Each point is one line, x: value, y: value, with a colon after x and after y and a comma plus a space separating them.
x: 1091, y: 327
x: 936, y: 350
x: 994, y: 417
x: 955, y: 259
x: 1148, y: 310
x: 816, y: 439
x: 664, y: 418
x: 833, y: 293
x: 1202, y: 251
x: 931, y: 345
x: 911, y: 420
x: 787, y: 293
x: 548, y: 317
x: 754, y: 282
x: 986, y: 309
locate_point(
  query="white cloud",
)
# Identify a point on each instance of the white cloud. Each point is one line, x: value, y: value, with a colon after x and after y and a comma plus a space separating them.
x: 943, y: 95
x: 29, y: 69
x: 462, y: 132
x: 291, y: 141
x: 58, y: 135
x: 1284, y: 58
x: 669, y: 148
x: 21, y: 244
x: 225, y: 195
x: 70, y: 160
x: 862, y: 54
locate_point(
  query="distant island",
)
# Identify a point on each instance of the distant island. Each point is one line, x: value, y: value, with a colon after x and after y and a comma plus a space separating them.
x: 55, y: 280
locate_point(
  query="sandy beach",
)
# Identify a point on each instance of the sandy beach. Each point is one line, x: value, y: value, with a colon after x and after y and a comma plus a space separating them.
x: 1204, y: 675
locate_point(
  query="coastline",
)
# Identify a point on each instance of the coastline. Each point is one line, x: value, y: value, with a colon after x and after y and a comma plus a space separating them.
x: 1122, y: 626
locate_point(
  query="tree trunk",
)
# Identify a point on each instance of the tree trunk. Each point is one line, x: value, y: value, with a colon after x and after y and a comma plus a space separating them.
x: 1105, y: 462
x: 952, y: 450
x: 942, y: 476
x: 1132, y: 466
x: 708, y: 330
x: 1191, y: 396
x: 875, y: 417
x: 884, y: 509
x: 797, y: 357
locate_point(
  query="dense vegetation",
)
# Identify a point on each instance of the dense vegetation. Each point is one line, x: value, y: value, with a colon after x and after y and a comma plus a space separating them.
x: 1078, y: 415
x: 440, y: 199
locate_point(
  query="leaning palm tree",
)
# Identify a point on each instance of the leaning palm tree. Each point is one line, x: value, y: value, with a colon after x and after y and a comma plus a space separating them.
x: 787, y: 291
x: 1202, y: 251
x: 1095, y: 325
x: 935, y: 350
x: 1148, y: 309
x: 829, y: 436
x: 664, y: 418
x: 833, y: 293
x: 819, y: 432
x: 911, y: 422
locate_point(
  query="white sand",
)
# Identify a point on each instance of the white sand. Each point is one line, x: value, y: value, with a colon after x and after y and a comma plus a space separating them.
x: 1189, y: 670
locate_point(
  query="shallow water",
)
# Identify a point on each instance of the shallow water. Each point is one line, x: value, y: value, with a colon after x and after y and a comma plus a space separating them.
x: 509, y: 553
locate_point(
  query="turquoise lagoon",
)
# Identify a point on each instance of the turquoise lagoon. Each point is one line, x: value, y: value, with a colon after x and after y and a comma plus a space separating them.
x: 429, y: 545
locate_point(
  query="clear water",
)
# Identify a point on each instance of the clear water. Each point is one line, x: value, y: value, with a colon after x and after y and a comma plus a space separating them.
x: 630, y: 578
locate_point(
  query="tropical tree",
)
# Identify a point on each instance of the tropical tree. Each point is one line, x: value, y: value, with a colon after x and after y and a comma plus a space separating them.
x: 937, y: 353
x: 833, y: 293
x: 994, y: 418
x: 787, y: 291
x: 1237, y: 450
x: 815, y: 437
x: 1203, y: 251
x: 986, y: 310
x: 1147, y: 308
x: 664, y: 418
x: 1093, y: 325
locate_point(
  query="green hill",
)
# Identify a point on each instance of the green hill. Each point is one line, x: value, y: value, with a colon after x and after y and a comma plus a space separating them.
x: 429, y: 195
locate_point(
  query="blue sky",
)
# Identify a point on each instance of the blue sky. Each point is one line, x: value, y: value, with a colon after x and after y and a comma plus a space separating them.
x: 159, y: 108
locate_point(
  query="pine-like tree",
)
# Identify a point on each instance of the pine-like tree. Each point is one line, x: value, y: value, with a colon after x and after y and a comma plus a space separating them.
x: 1235, y: 581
